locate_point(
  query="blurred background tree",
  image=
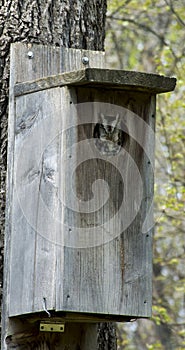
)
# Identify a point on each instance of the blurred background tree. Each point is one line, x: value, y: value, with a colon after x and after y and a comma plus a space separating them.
x: 149, y: 36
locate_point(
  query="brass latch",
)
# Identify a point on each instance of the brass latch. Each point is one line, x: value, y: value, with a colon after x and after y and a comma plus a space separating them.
x: 52, y: 327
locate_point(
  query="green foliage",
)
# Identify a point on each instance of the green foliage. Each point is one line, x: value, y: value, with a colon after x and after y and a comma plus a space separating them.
x: 155, y: 346
x: 160, y: 315
x: 149, y: 35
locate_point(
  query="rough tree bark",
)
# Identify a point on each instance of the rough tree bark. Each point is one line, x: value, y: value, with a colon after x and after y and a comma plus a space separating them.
x: 77, y: 24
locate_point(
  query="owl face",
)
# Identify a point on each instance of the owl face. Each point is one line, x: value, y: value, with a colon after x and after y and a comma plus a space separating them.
x: 108, y: 134
x: 109, y: 127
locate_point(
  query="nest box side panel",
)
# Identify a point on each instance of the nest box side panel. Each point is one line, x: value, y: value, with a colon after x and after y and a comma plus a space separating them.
x: 34, y: 202
x: 107, y: 266
x: 33, y: 167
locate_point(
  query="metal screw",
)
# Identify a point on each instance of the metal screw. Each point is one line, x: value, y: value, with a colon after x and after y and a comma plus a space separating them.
x: 85, y: 60
x: 30, y: 54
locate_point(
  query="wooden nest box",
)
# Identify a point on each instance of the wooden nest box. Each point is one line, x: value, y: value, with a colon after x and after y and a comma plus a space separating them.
x: 80, y: 187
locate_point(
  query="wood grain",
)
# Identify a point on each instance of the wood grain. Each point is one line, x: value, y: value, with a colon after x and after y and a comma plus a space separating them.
x: 30, y: 260
x: 105, y: 78
x: 71, y: 250
x: 126, y: 261
x: 77, y: 274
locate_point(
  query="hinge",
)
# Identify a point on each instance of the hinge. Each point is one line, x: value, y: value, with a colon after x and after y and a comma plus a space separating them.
x: 52, y: 327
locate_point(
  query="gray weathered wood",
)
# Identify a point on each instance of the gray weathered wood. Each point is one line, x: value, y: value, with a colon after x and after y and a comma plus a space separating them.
x: 102, y: 78
x: 78, y: 268
x: 33, y: 171
x: 33, y: 253
x: 125, y: 261
x: 49, y: 61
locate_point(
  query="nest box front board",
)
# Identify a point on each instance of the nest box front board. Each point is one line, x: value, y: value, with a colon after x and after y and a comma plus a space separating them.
x: 81, y: 207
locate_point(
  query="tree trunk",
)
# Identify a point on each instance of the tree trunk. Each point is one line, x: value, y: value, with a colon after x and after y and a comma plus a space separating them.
x: 76, y: 24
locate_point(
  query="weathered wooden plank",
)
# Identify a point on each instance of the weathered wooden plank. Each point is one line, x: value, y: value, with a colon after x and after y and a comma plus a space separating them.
x: 57, y: 230
x: 123, y: 260
x: 50, y: 60
x: 33, y: 260
x: 9, y: 198
x: 69, y: 117
x: 102, y: 78
x: 34, y: 181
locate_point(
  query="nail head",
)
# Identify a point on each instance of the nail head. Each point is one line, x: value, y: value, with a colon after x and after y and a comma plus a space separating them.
x: 30, y: 54
x: 85, y: 60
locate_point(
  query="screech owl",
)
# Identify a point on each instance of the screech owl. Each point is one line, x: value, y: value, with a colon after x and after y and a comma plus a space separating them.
x: 108, y: 134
